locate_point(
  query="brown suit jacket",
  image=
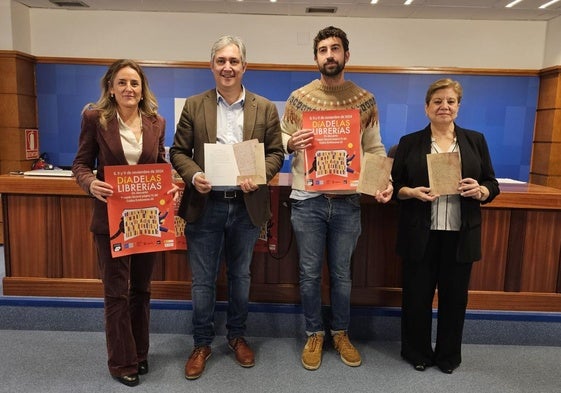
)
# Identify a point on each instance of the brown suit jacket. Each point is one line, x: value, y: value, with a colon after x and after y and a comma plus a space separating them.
x: 197, y: 126
x: 98, y: 147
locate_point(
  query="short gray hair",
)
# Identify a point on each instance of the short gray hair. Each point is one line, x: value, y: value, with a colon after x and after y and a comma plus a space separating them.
x: 226, y: 40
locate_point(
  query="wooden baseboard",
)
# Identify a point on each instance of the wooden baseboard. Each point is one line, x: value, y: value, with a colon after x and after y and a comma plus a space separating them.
x: 288, y: 294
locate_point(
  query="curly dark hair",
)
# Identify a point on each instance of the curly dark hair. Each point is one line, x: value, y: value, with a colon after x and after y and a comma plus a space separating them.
x: 328, y: 32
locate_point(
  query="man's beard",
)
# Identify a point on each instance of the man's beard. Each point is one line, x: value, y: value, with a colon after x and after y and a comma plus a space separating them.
x: 324, y: 70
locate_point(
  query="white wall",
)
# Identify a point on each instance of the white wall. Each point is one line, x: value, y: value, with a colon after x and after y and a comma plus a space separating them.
x: 6, y: 39
x: 21, y: 28
x: 552, y: 56
x: 288, y: 40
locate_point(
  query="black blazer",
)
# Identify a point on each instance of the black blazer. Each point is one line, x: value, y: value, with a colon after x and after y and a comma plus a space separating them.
x: 410, y: 170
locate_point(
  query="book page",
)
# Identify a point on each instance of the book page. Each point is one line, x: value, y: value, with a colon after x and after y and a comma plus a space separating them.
x: 221, y: 168
x: 375, y: 173
x: 250, y: 157
x: 444, y: 173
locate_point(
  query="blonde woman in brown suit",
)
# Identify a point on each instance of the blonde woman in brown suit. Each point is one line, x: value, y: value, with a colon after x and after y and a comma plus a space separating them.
x: 122, y: 127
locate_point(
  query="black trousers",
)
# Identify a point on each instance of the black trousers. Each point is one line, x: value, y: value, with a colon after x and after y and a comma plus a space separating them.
x: 437, y: 269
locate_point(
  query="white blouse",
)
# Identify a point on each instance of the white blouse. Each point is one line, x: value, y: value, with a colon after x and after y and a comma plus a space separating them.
x: 131, y: 146
x: 445, y: 210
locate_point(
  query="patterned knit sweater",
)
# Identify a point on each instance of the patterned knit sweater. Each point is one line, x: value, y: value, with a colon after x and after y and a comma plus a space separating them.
x: 318, y: 96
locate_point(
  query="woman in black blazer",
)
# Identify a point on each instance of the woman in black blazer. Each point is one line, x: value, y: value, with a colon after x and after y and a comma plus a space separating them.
x: 439, y: 237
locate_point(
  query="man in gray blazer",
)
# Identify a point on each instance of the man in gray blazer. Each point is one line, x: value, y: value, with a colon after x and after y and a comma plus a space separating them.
x: 223, y: 221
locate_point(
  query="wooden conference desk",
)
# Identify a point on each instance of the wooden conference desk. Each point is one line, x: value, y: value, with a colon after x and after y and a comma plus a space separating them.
x: 49, y: 250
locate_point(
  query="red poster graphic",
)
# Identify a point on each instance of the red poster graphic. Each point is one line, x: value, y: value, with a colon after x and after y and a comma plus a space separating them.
x: 333, y: 160
x: 141, y: 212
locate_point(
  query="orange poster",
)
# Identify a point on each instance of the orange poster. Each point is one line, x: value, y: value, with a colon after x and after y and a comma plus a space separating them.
x: 141, y: 212
x: 333, y: 160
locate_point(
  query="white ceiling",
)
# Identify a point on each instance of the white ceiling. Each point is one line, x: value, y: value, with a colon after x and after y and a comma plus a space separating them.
x: 420, y: 9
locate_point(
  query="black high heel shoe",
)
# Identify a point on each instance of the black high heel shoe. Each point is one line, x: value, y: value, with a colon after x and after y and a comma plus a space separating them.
x: 420, y: 366
x: 143, y: 367
x: 129, y: 380
x: 447, y: 369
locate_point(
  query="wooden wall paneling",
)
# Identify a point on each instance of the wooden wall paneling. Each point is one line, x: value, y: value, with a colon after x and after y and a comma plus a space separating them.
x: 177, y: 266
x: 545, y: 158
x: 13, y: 143
x: 8, y: 70
x: 171, y: 290
x: 222, y: 282
x: 559, y: 275
x: 550, y: 89
x: 383, y: 263
x: 376, y: 296
x: 489, y: 273
x: 18, y: 71
x: 542, y: 245
x: 515, y: 250
x: 53, y: 236
x: 34, y: 225
x: 258, y: 268
x: 361, y: 257
x: 281, y: 271
x: 18, y: 111
x: 554, y: 181
x: 514, y: 301
x: 283, y: 267
x: 1, y: 222
x: 25, y: 75
x: 79, y: 256
x: 545, y: 166
x: 158, y: 271
x: 18, y: 107
x: 274, y: 292
x: 554, y: 167
x: 65, y: 287
x: 519, y: 227
x: 548, y: 125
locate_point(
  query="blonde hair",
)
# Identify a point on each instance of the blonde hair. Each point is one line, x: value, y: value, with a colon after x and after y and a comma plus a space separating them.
x: 107, y: 105
x: 444, y: 84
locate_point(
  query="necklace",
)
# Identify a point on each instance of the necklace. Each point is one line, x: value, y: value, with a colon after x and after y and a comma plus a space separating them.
x: 439, y: 149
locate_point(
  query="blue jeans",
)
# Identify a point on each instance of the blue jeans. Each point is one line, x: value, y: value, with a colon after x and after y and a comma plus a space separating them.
x: 224, y: 229
x: 326, y: 224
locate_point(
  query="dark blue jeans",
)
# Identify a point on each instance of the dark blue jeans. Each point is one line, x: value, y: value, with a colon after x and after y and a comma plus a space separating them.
x: 325, y: 224
x: 224, y: 229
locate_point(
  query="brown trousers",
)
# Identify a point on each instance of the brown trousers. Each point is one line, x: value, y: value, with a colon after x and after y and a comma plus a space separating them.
x: 126, y: 289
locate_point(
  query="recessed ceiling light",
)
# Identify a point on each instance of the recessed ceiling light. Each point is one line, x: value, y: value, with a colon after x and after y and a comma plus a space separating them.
x: 373, y: 1
x: 548, y: 4
x: 407, y: 2
x: 512, y: 3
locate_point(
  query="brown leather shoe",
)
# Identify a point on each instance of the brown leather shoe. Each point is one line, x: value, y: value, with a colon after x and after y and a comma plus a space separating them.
x: 196, y: 363
x: 244, y: 354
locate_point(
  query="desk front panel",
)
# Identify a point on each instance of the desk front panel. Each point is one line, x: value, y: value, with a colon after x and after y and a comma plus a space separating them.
x: 49, y: 251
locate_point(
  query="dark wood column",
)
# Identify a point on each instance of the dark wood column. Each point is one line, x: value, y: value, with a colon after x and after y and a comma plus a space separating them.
x: 546, y: 150
x: 18, y: 108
